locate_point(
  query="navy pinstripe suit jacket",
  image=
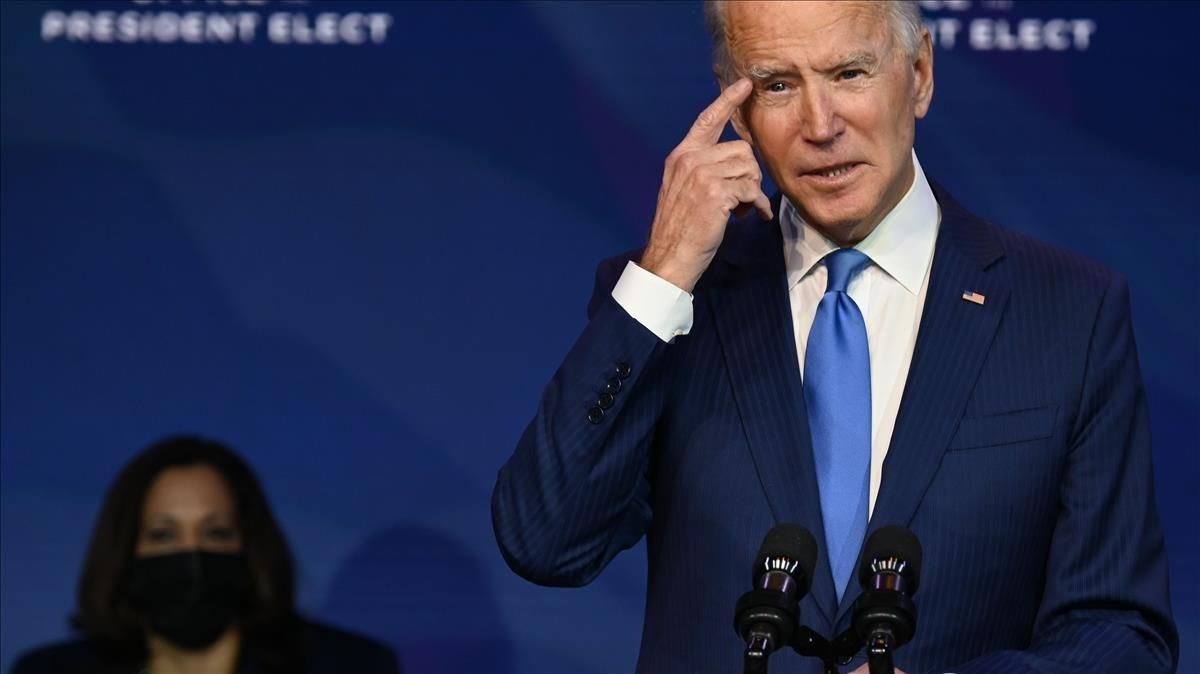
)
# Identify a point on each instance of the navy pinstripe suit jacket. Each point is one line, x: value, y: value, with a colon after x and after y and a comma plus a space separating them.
x: 1020, y: 459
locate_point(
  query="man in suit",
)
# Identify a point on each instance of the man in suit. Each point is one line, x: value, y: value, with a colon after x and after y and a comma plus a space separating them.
x: 865, y: 352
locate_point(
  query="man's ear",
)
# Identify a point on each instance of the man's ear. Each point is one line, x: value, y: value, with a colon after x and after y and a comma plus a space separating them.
x: 923, y: 75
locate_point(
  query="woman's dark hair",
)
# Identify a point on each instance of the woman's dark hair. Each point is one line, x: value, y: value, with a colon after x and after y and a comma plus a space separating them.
x: 104, y: 612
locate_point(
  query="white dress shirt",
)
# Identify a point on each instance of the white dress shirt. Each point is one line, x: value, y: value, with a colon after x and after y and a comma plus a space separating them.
x: 890, y: 293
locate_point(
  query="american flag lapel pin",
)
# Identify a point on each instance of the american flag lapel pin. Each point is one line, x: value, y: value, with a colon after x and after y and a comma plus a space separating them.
x: 972, y: 296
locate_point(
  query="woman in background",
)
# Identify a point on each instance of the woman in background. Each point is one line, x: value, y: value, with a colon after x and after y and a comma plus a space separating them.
x: 187, y: 572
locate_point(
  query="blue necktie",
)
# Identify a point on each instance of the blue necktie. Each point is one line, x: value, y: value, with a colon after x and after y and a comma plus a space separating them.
x: 837, y: 390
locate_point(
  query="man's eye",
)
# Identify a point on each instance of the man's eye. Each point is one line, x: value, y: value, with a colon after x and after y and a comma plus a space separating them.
x: 777, y: 87
x: 851, y: 74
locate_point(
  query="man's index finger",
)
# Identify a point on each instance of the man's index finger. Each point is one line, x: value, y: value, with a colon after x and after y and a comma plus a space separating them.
x: 707, y: 129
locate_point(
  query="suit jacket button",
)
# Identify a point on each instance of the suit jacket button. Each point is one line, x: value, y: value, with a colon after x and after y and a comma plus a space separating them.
x: 613, y: 385
x: 623, y: 370
x: 605, y: 401
x: 595, y: 415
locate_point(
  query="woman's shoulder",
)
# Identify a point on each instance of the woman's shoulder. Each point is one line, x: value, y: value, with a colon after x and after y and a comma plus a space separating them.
x: 77, y: 656
x: 330, y: 651
x: 336, y: 650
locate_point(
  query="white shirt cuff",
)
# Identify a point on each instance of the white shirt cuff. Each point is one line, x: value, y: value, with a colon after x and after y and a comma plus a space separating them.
x: 659, y: 305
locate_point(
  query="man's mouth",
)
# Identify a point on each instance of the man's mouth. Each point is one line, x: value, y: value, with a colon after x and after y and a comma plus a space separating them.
x: 834, y: 176
x: 833, y: 171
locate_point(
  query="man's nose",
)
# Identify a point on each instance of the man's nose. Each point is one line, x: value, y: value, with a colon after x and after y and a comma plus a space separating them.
x: 820, y: 123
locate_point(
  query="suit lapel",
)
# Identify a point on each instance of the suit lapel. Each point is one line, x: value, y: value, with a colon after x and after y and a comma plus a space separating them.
x: 747, y: 294
x: 952, y: 341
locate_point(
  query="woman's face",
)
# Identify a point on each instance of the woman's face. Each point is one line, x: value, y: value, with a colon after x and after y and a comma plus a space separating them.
x: 188, y: 508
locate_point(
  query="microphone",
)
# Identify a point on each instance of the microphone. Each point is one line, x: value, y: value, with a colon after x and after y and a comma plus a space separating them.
x: 766, y: 616
x: 884, y: 614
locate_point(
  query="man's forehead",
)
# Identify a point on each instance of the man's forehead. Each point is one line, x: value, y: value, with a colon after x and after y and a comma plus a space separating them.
x: 827, y: 29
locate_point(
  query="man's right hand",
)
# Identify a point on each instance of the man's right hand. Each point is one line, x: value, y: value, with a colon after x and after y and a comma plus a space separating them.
x: 704, y: 181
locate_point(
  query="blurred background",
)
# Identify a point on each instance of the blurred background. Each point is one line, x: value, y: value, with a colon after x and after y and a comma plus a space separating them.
x: 354, y: 239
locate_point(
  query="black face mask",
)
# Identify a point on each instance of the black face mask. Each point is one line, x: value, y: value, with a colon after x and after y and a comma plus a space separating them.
x: 190, y: 598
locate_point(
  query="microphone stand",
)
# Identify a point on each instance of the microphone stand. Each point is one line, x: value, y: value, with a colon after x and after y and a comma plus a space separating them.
x: 832, y: 653
x: 841, y: 650
x: 885, y: 617
x: 879, y: 653
x: 758, y: 649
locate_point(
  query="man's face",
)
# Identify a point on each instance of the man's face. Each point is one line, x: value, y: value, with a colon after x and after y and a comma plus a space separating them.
x: 834, y: 106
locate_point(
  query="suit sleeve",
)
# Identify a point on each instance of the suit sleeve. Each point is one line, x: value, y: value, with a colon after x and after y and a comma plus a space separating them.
x: 576, y: 490
x: 1106, y: 604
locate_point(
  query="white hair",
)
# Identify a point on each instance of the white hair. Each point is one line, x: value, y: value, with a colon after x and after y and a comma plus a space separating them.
x: 903, y: 15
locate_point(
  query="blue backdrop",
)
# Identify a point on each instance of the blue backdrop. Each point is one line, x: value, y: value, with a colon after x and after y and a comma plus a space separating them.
x: 354, y: 239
